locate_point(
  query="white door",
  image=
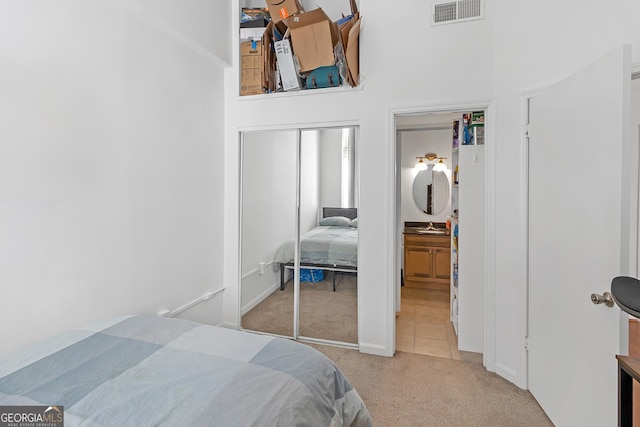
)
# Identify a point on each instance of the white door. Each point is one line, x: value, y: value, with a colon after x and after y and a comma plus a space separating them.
x: 578, y: 217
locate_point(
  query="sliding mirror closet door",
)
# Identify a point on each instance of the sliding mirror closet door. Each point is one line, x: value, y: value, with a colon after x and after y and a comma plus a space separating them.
x: 268, y: 230
x: 328, y: 236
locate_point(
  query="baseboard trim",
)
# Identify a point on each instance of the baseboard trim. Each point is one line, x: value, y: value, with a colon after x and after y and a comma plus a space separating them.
x: 375, y: 349
x: 257, y: 300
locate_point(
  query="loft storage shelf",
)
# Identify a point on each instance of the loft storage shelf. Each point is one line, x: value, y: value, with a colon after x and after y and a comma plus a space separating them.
x: 287, y: 49
x: 331, y: 90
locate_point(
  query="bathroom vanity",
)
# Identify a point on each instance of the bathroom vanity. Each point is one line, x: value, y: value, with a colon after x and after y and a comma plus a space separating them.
x: 427, y: 256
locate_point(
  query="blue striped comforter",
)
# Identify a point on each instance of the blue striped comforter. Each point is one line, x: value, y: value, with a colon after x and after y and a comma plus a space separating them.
x: 138, y: 370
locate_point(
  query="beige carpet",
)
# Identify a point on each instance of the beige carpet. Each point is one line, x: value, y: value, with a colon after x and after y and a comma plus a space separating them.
x: 324, y: 314
x: 407, y: 389
x: 417, y: 390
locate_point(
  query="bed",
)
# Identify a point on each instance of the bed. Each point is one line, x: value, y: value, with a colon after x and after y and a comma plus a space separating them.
x: 331, y: 247
x: 148, y: 370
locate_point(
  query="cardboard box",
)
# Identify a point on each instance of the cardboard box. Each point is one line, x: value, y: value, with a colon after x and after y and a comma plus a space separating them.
x: 251, y: 68
x: 270, y: 74
x: 251, y: 33
x: 350, y: 35
x: 287, y: 66
x: 282, y: 9
x: 254, y: 17
x: 268, y: 61
x: 349, y: 31
x: 314, y: 36
x: 253, y: 23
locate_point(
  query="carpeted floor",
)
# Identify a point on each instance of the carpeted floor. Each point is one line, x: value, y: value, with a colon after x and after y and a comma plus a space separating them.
x: 417, y: 390
x: 404, y: 390
x: 323, y: 313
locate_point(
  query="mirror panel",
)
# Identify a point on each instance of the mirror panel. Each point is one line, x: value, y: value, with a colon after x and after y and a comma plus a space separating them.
x: 328, y: 243
x: 288, y: 179
x: 268, y: 230
x: 431, y: 191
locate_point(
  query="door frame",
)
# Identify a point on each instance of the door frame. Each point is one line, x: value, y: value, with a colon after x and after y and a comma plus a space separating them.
x: 488, y: 105
x: 523, y: 291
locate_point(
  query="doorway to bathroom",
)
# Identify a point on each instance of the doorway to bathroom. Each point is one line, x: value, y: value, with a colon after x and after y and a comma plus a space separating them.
x: 440, y: 195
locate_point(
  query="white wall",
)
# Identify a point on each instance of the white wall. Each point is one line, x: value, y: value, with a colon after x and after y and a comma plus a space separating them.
x: 203, y: 22
x: 309, y: 179
x: 330, y: 169
x: 111, y: 174
x: 412, y: 145
x: 519, y: 46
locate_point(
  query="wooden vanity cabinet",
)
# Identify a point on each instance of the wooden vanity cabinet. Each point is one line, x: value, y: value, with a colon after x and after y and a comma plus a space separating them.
x: 427, y: 261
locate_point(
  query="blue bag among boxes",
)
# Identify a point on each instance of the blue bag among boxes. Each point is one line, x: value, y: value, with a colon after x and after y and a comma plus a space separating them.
x: 311, y: 275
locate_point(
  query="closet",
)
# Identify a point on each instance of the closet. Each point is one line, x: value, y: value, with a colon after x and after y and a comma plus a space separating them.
x: 291, y: 180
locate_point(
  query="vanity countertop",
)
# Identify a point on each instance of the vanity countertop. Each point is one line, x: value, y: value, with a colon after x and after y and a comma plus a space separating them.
x: 414, y: 227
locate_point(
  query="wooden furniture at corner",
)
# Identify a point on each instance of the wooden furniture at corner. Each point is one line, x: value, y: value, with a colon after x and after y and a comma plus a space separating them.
x: 634, y: 351
x: 628, y: 371
x: 427, y: 262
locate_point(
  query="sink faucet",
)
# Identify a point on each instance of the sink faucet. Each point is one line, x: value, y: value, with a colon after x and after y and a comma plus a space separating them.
x: 431, y: 226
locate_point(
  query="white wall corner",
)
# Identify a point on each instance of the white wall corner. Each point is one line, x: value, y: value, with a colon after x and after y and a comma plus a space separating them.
x: 229, y: 325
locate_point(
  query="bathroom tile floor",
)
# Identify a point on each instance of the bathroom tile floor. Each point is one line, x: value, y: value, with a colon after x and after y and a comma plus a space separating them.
x: 423, y: 324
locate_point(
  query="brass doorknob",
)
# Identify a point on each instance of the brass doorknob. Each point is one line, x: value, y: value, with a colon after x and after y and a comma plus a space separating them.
x: 605, y: 299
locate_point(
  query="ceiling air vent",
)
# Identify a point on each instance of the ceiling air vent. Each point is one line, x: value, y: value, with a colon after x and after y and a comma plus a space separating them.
x: 457, y: 11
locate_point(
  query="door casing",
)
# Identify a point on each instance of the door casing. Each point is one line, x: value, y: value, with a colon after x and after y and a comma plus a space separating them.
x: 488, y: 105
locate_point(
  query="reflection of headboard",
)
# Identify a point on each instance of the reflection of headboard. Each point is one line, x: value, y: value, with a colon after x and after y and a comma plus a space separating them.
x: 350, y: 213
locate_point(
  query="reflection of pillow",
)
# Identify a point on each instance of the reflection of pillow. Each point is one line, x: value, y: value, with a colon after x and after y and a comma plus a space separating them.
x: 336, y: 221
x: 354, y: 222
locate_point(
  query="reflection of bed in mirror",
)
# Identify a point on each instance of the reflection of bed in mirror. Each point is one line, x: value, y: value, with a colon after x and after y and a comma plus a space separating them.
x: 331, y: 246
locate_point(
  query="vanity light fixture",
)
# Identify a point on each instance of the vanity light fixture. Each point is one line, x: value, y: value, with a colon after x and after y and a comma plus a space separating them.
x: 421, y: 165
x: 440, y: 166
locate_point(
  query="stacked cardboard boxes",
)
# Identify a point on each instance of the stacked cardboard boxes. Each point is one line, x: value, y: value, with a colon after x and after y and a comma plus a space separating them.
x: 296, y: 44
x: 252, y: 27
x: 282, y: 9
x: 251, y: 69
x: 253, y: 23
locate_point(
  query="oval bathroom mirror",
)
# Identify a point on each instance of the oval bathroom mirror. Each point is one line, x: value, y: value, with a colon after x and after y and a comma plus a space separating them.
x: 431, y: 191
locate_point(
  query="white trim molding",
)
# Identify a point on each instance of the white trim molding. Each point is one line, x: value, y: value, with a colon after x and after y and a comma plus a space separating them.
x: 190, y: 304
x: 489, y: 356
x: 375, y: 349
